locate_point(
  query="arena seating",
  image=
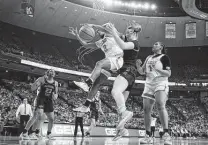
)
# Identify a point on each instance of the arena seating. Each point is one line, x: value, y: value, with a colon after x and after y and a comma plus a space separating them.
x: 196, y: 120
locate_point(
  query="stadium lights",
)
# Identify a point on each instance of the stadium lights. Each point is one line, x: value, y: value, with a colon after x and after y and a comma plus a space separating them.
x: 133, y: 5
x: 108, y: 2
x: 153, y: 7
x: 146, y: 6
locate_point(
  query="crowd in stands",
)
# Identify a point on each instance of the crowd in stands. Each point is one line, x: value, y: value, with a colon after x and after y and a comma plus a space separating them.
x: 17, y: 47
x: 195, y: 121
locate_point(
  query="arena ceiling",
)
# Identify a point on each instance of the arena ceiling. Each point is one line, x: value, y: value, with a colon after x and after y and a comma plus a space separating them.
x: 54, y: 17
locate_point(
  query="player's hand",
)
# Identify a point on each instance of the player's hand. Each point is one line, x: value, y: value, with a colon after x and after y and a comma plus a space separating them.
x: 138, y: 62
x: 54, y: 96
x: 111, y: 29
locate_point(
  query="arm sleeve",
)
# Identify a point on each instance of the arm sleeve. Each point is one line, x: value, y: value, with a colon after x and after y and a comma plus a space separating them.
x: 166, y: 62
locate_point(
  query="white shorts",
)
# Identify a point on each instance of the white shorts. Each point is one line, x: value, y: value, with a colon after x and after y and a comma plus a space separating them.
x: 116, y: 63
x: 151, y: 89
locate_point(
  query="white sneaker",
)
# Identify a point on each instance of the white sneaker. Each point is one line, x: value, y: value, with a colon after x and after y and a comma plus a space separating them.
x: 50, y: 137
x: 83, y: 109
x: 167, y: 139
x: 120, y: 133
x: 82, y: 85
x: 125, y: 117
x: 24, y: 136
x: 146, y: 140
x: 33, y: 136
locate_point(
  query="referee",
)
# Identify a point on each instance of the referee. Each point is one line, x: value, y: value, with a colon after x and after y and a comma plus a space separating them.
x: 153, y: 122
x: 79, y: 121
x: 25, y: 112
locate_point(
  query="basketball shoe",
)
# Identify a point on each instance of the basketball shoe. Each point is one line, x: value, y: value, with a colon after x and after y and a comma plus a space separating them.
x: 146, y: 140
x: 24, y: 136
x: 167, y: 139
x: 120, y: 133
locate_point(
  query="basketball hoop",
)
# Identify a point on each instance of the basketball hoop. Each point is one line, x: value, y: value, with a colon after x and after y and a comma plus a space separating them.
x: 98, y: 6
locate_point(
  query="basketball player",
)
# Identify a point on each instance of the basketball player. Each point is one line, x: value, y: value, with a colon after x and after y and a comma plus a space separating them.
x: 48, y: 92
x: 113, y: 55
x: 95, y: 108
x: 113, y: 61
x: 125, y: 80
x: 36, y: 131
x: 157, y: 68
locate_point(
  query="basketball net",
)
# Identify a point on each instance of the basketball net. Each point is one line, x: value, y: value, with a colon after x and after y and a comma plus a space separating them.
x: 98, y: 6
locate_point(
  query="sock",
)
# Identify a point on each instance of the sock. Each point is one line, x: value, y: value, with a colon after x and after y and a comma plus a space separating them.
x: 24, y: 131
x: 37, y: 131
x: 148, y: 133
x: 48, y: 132
x: 165, y: 130
x: 87, y: 103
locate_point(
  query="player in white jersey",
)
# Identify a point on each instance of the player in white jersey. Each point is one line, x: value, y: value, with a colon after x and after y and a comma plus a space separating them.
x: 157, y: 69
x: 113, y: 54
x: 113, y: 61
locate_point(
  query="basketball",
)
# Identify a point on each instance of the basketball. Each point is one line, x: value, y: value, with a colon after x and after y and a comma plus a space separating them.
x: 86, y: 33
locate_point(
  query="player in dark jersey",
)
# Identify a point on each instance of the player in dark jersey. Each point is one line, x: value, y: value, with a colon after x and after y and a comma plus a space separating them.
x: 48, y: 93
x: 95, y: 109
x: 125, y: 80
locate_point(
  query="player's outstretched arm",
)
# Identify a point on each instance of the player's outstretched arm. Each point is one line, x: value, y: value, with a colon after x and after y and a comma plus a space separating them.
x: 140, y: 69
x: 117, y: 36
x: 37, y: 83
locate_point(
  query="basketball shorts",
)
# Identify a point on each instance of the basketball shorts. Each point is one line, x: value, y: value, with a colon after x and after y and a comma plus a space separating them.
x: 94, y: 114
x: 153, y: 128
x: 129, y: 73
x: 116, y: 63
x: 151, y: 89
x: 45, y: 104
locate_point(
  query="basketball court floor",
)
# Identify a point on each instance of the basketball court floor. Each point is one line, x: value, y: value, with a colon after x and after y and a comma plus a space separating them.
x: 95, y: 141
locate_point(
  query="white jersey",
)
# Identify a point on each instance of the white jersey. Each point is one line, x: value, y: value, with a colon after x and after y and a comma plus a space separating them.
x: 109, y: 46
x: 153, y: 121
x: 160, y: 129
x: 153, y: 76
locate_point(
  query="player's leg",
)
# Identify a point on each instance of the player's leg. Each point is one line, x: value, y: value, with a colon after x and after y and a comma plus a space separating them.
x: 81, y: 126
x: 93, y: 91
x: 102, y: 64
x: 38, y: 112
x: 50, y: 116
x: 33, y: 130
x: 147, y: 106
x: 161, y: 98
x: 92, y: 125
x: 126, y: 95
x: 37, y: 127
x: 119, y: 86
x: 76, y: 127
